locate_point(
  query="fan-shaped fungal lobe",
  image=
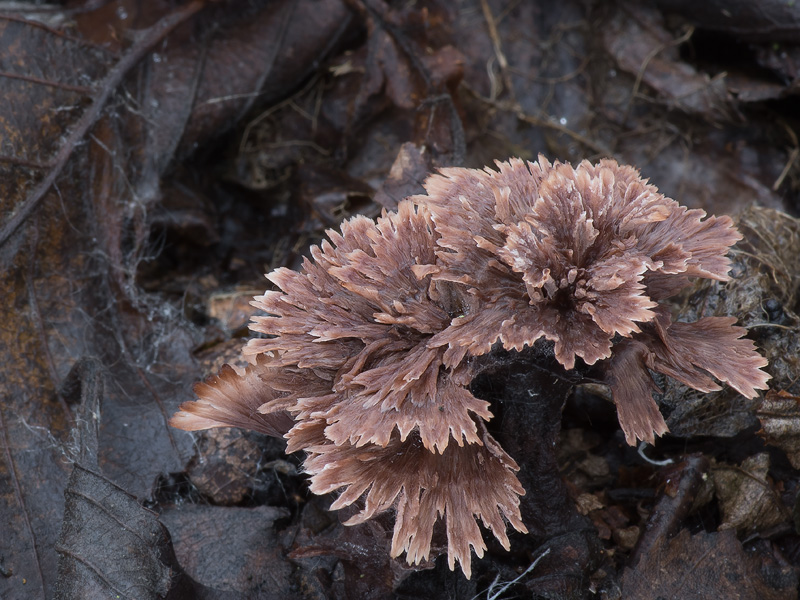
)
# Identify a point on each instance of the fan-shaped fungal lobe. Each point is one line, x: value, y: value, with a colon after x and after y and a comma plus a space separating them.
x: 366, y: 363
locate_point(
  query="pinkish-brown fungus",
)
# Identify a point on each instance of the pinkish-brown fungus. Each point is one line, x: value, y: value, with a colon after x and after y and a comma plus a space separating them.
x: 365, y: 364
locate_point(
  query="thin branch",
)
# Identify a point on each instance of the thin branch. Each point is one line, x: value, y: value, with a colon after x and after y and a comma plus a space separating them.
x: 498, y: 50
x: 81, y: 89
x: 541, y: 122
x: 640, y: 75
x: 137, y: 51
x: 243, y: 148
x: 51, y: 30
x: 23, y: 162
x: 788, y: 167
x: 791, y: 160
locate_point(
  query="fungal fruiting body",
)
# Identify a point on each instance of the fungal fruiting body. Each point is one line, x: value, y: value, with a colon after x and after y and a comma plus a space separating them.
x: 366, y: 363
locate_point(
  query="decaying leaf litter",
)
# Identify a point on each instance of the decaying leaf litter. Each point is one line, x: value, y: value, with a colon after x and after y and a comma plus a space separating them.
x: 175, y: 187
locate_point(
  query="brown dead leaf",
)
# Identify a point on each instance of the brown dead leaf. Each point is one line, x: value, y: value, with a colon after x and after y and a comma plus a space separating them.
x: 748, y: 499
x: 231, y: 548
x: 770, y: 20
x: 227, y: 466
x: 707, y: 566
x: 610, y: 520
x: 779, y: 414
x: 586, y: 503
x: 641, y: 45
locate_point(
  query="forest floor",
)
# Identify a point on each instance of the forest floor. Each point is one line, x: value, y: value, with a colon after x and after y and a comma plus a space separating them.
x: 157, y: 158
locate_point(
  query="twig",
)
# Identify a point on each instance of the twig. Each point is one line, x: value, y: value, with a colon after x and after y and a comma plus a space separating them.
x: 540, y: 122
x: 775, y: 325
x: 137, y: 51
x: 81, y: 89
x: 602, y: 150
x: 23, y: 162
x: 498, y: 50
x: 789, y: 164
x: 51, y: 30
x: 271, y: 110
x: 673, y: 504
x: 676, y: 42
x: 790, y: 161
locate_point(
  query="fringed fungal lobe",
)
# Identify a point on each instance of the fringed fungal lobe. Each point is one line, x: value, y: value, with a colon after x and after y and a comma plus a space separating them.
x: 367, y: 355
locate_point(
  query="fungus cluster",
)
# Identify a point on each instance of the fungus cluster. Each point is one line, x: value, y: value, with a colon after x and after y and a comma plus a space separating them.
x: 369, y: 350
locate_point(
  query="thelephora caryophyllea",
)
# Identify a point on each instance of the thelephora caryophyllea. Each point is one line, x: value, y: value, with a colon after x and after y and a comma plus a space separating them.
x: 366, y: 364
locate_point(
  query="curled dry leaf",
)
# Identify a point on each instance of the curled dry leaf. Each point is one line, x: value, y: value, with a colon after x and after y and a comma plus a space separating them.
x: 748, y: 498
x: 368, y: 347
x: 779, y: 414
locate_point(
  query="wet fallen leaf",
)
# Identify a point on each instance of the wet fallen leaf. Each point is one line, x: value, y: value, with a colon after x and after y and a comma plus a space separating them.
x: 708, y: 566
x: 641, y: 45
x: 231, y: 548
x: 748, y: 499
